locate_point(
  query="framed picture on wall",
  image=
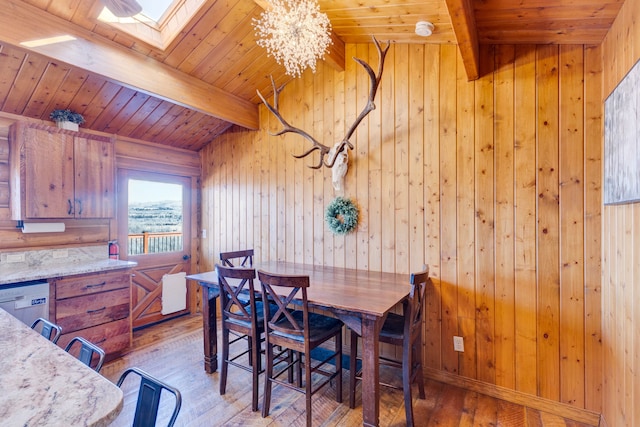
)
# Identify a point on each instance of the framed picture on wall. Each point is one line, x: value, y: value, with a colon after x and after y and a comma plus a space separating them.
x: 622, y: 141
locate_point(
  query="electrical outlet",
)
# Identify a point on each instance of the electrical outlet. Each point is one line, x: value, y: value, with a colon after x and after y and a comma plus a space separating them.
x: 204, y: 233
x: 16, y: 257
x: 458, y: 344
x: 60, y: 253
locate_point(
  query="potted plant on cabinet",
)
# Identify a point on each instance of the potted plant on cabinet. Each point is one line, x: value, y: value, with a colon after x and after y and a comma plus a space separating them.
x: 66, y: 119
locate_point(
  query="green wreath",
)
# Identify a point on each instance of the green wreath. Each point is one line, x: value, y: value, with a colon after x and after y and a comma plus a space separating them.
x: 341, y: 215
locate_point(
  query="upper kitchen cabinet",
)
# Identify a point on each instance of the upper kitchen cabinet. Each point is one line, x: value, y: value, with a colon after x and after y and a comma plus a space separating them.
x: 60, y: 174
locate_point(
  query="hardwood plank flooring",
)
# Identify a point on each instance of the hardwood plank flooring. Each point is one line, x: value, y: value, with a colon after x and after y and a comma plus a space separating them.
x: 172, y: 351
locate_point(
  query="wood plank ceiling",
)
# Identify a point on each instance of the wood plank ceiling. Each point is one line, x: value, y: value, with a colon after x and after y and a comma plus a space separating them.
x: 205, y: 80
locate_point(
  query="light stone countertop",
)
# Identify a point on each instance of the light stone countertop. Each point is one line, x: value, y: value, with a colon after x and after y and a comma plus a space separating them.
x: 50, y: 263
x: 42, y: 385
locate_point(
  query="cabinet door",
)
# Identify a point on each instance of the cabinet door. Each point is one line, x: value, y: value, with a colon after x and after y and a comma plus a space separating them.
x: 94, y: 178
x: 48, y: 173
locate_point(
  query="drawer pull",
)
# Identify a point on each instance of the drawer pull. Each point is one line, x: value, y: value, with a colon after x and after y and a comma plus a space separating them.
x: 96, y: 310
x: 96, y: 285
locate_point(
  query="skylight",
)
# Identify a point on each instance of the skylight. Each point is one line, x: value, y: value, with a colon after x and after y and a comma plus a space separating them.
x: 159, y: 22
x: 154, y: 9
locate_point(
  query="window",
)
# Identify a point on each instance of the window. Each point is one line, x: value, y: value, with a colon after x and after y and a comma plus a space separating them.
x: 155, y: 217
x: 159, y: 22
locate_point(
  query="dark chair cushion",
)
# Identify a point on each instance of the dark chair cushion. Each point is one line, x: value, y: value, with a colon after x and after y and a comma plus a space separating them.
x: 393, y: 327
x: 320, y: 327
x: 260, y: 314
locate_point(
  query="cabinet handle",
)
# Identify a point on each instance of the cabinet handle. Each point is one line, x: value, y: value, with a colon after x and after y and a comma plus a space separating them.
x: 70, y: 210
x: 96, y: 285
x: 79, y: 202
x: 96, y: 310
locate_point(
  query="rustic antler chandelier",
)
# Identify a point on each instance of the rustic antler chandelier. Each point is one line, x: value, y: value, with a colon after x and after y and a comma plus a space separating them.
x: 295, y: 33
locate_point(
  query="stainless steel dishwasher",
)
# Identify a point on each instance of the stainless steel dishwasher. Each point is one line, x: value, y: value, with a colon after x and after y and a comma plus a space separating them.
x: 26, y: 301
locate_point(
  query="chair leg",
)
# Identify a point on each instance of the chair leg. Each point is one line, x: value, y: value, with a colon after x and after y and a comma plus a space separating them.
x: 268, y: 373
x: 225, y: 358
x: 406, y: 383
x: 353, y: 363
x: 255, y: 371
x: 338, y: 339
x: 419, y: 371
x: 298, y: 356
x: 307, y: 385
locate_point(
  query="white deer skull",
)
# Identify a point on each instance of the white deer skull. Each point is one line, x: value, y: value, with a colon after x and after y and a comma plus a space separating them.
x: 340, y: 166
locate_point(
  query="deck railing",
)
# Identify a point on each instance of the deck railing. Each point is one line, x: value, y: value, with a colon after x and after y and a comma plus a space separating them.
x: 149, y: 243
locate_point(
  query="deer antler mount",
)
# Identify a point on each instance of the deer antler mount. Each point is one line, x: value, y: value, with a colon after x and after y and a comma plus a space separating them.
x: 328, y: 155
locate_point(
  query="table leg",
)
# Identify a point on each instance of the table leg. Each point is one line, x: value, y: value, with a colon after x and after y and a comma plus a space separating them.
x: 370, y: 371
x: 209, y: 328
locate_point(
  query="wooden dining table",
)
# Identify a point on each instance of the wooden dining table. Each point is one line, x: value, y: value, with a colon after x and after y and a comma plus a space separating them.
x: 43, y: 385
x: 360, y: 298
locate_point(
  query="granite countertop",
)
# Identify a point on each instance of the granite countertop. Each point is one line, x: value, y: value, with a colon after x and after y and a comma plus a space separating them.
x: 46, y: 264
x: 42, y: 385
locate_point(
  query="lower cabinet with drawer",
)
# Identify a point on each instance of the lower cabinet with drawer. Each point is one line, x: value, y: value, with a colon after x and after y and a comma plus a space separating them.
x: 96, y: 307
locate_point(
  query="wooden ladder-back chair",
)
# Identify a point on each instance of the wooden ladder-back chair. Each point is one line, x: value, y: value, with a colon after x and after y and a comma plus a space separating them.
x: 49, y: 330
x: 242, y: 319
x: 404, y: 331
x: 244, y: 258
x: 300, y: 331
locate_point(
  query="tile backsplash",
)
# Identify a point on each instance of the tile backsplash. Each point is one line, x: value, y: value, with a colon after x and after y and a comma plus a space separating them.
x: 10, y: 261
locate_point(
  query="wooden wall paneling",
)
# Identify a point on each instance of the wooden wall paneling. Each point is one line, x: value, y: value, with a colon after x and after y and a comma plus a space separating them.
x: 206, y: 210
x: 242, y: 150
x: 633, y: 321
x: 548, y: 312
x: 448, y: 204
x: 333, y: 242
x: 465, y: 195
x: 489, y: 173
x: 485, y: 222
x: 345, y: 247
x: 504, y: 182
x: 593, y: 132
x: 309, y: 175
x: 265, y: 236
x: 607, y: 317
x: 387, y: 192
x: 357, y: 84
x: 525, y: 219
x: 572, y: 224
x: 319, y: 227
x: 617, y: 338
x: 77, y: 232
x: 431, y: 123
x: 416, y: 158
x: 628, y: 327
x: 375, y: 221
x: 401, y: 152
x: 224, y: 198
x: 296, y: 178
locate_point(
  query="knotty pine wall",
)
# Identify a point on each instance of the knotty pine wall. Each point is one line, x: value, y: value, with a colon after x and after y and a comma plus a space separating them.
x: 494, y: 183
x: 621, y: 246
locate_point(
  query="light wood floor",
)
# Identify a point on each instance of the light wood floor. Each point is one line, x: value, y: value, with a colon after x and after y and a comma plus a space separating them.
x: 172, y: 351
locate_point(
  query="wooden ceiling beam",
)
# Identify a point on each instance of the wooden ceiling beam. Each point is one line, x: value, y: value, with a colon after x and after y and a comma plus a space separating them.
x: 21, y: 22
x: 335, y: 57
x: 464, y: 27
